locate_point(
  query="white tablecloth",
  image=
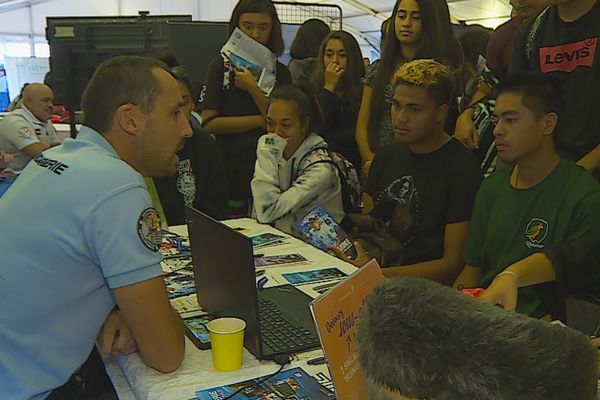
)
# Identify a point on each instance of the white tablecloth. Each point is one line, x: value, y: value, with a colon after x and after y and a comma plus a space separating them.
x: 196, y: 372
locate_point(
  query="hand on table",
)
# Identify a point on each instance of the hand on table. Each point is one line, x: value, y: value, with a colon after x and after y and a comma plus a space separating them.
x: 115, y: 337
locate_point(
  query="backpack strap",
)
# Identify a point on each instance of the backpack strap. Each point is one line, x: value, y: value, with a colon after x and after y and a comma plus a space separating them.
x: 530, y: 43
x: 315, y: 156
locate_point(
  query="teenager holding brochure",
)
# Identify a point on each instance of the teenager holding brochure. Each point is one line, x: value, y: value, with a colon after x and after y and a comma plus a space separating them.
x: 235, y: 107
x: 284, y: 188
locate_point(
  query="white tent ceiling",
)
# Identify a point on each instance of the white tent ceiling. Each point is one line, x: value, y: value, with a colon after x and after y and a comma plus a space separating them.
x: 26, y: 19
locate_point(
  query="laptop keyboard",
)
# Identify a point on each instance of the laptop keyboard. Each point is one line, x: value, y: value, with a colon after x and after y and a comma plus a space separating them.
x: 281, y: 335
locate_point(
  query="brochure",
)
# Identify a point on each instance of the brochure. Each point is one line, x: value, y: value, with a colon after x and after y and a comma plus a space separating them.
x: 266, y: 239
x: 320, y: 229
x: 185, y: 304
x: 244, y: 52
x: 294, y: 383
x: 180, y: 283
x: 319, y: 275
x: 196, y: 330
x: 336, y: 315
x: 279, y: 261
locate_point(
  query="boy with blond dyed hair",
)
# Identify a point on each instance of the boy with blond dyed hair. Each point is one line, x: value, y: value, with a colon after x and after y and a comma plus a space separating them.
x: 426, y: 177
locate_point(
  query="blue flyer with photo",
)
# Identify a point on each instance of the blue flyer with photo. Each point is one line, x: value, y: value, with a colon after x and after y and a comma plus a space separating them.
x: 294, y: 383
x: 320, y: 229
x: 319, y: 275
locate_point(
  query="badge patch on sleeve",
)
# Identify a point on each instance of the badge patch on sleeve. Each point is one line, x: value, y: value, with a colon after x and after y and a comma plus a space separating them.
x: 148, y: 228
x: 25, y: 132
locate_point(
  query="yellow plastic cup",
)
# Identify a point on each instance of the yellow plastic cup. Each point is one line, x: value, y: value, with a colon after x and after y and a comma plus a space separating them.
x: 227, y: 342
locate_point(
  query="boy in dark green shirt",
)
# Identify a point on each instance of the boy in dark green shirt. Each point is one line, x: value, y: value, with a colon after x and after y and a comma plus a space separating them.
x: 541, y: 201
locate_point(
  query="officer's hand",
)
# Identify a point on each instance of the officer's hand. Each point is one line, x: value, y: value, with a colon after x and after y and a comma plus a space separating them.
x: 465, y: 132
x: 115, y: 337
x: 245, y: 80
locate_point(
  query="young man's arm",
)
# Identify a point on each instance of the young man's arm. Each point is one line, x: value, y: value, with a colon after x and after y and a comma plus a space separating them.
x: 444, y: 269
x: 539, y: 267
x: 470, y: 277
x: 532, y: 270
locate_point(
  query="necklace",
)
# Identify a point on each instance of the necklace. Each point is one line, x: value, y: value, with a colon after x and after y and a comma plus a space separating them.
x: 516, y: 180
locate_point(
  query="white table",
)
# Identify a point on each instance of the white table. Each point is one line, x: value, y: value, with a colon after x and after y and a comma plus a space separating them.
x: 133, y: 379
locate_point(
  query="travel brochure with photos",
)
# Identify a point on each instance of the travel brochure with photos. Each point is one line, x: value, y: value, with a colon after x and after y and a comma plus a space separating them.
x: 320, y: 229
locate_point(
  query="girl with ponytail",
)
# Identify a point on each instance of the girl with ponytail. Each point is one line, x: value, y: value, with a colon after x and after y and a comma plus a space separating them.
x: 285, y: 186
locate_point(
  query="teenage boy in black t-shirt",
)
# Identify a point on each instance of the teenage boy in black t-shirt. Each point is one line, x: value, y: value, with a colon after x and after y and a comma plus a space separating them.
x: 432, y: 175
x: 565, y: 45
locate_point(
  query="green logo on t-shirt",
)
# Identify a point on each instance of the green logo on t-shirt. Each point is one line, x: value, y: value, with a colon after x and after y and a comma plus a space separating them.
x: 536, y: 232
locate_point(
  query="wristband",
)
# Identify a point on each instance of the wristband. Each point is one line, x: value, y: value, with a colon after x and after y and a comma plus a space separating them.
x: 511, y: 273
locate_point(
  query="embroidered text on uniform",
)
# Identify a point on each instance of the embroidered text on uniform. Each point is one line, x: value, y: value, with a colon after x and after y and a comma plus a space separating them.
x: 53, y: 165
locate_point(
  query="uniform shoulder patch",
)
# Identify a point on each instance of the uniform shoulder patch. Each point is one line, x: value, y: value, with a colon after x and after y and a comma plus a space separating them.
x: 148, y: 228
x: 25, y: 132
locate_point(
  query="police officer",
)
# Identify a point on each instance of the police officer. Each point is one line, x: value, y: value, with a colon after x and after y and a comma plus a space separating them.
x: 79, y: 236
x: 27, y: 131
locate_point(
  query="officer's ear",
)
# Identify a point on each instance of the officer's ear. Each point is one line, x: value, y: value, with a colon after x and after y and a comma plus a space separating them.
x: 129, y: 118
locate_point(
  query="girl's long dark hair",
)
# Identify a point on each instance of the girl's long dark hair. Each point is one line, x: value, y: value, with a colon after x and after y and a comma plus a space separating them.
x: 275, y: 43
x: 308, y: 39
x: 436, y: 41
x: 349, y: 87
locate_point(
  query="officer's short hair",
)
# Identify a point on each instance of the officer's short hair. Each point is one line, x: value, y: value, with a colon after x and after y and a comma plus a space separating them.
x: 424, y: 340
x: 117, y: 81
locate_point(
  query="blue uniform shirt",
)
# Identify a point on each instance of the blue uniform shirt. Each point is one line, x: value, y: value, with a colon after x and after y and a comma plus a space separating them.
x: 76, y: 223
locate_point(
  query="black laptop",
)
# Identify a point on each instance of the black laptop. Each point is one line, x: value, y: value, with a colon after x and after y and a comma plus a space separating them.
x: 278, y: 319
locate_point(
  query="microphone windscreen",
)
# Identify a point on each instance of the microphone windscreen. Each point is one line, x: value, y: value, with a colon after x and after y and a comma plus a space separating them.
x: 426, y: 340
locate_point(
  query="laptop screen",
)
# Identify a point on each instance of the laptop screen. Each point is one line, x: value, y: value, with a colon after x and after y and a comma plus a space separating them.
x: 223, y: 263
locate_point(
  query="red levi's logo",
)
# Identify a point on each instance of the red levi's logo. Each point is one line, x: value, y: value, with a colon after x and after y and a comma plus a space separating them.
x: 567, y: 57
